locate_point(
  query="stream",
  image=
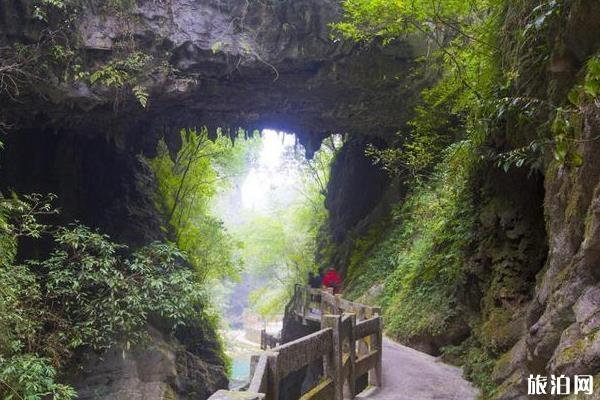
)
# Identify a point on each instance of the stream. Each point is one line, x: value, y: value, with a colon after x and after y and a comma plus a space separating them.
x: 240, y: 350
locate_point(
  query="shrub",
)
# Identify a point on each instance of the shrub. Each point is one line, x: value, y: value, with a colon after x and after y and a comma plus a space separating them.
x: 89, y: 293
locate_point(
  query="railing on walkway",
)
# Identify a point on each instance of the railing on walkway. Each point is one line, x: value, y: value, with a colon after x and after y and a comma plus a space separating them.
x: 268, y: 341
x: 349, y: 344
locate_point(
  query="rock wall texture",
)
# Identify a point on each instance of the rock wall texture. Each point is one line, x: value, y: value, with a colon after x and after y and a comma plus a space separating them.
x: 164, y: 370
x: 563, y: 319
x: 562, y: 322
x: 355, y: 187
x: 272, y: 64
x: 532, y: 274
x: 223, y: 63
x: 250, y: 64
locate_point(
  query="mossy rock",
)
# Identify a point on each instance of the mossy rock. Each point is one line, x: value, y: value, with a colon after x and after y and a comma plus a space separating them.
x: 510, y: 389
x: 169, y: 394
x: 502, y: 329
x: 509, y: 362
x: 582, y: 396
x: 575, y: 352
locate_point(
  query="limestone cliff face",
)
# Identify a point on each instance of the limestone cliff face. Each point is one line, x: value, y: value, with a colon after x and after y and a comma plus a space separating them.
x: 272, y: 64
x: 563, y: 319
x: 165, y: 369
x: 250, y: 64
x: 230, y: 64
x: 355, y: 188
x: 560, y: 334
x: 237, y: 63
x: 533, y: 283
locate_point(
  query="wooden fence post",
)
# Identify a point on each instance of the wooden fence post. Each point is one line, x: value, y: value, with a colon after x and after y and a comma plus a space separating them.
x: 376, y: 376
x: 273, y: 377
x: 338, y: 298
x: 334, y: 368
x: 323, y: 309
x: 352, y: 350
x: 369, y: 339
x: 296, y: 299
x: 262, y: 340
x: 306, y: 304
x: 378, y: 379
x: 362, y: 344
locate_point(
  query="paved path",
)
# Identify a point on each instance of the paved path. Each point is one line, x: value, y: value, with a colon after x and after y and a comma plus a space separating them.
x: 411, y: 375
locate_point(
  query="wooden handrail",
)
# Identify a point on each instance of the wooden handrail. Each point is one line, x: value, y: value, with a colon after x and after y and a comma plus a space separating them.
x: 347, y: 348
x: 268, y: 341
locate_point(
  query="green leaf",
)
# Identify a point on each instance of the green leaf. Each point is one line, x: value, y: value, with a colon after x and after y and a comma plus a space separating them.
x: 561, y: 150
x: 141, y: 94
x: 576, y: 159
x: 575, y: 96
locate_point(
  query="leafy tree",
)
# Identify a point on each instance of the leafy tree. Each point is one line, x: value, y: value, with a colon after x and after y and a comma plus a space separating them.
x: 186, y: 186
x: 281, y: 243
x: 88, y: 293
x: 365, y: 19
x: 463, y: 57
x: 488, y: 106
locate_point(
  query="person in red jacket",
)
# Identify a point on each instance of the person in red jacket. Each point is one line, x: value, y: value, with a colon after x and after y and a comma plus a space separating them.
x: 333, y: 280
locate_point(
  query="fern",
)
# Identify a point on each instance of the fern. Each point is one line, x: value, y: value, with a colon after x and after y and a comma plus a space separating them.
x: 141, y: 95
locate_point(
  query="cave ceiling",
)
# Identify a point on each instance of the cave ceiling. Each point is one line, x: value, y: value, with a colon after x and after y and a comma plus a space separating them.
x: 230, y: 64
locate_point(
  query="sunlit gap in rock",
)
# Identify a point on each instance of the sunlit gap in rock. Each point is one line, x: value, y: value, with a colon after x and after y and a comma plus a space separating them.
x: 274, y: 177
x: 273, y: 210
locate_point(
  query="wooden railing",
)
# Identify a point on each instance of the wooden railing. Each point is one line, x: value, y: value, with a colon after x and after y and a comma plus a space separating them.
x: 349, y: 345
x: 268, y: 341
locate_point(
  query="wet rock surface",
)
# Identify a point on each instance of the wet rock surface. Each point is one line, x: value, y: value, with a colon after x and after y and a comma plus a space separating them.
x: 233, y: 64
x: 356, y: 186
x: 164, y: 369
x: 271, y: 64
x: 230, y: 64
x: 562, y: 323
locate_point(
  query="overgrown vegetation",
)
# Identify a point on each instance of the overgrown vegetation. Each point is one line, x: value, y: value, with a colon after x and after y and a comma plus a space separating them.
x: 88, y: 293
x: 281, y: 240
x: 488, y: 108
x: 53, y: 52
x: 186, y: 186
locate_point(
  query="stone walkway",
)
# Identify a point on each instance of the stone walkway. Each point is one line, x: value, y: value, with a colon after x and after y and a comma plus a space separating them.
x: 411, y: 375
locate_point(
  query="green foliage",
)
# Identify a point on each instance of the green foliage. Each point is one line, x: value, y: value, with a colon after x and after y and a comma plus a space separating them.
x: 589, y: 90
x: 55, y: 55
x: 127, y: 72
x: 490, y: 102
x: 486, y: 52
x: 117, y: 73
x: 424, y: 250
x: 85, y: 263
x: 41, y: 8
x: 435, y: 226
x: 29, y: 377
x: 365, y: 19
x: 463, y: 103
x: 86, y: 294
x: 373, y: 258
x: 566, y: 123
x: 437, y: 124
x: 477, y: 363
x: 280, y: 245
x: 420, y: 256
x: 591, y: 85
x: 186, y: 187
x: 279, y: 249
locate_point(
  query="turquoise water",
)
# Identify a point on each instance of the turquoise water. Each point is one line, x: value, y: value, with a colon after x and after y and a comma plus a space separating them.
x: 241, y: 367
